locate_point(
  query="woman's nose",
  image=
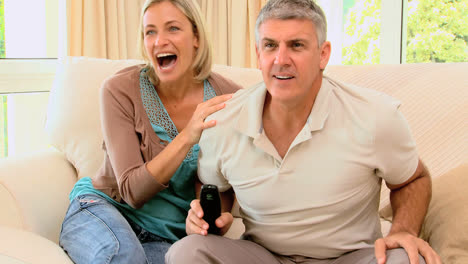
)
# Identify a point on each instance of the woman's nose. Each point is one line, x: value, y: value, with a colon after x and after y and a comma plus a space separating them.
x: 160, y: 40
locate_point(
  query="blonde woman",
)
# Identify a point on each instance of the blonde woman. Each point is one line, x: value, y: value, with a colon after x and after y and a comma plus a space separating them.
x: 152, y: 118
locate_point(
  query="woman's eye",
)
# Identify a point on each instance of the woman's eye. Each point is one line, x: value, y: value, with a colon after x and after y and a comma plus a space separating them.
x: 173, y: 28
x: 150, y: 32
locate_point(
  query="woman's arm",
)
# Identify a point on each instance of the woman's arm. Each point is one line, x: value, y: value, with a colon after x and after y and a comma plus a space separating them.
x: 139, y: 181
x: 164, y: 165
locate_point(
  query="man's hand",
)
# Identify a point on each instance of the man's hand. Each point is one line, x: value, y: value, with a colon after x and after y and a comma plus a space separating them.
x: 412, y: 245
x: 194, y: 223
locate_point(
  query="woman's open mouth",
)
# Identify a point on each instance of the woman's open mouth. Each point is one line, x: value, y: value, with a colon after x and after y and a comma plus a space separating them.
x: 166, y: 60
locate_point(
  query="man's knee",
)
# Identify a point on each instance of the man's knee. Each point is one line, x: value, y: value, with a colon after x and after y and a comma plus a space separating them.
x: 399, y: 256
x: 188, y: 249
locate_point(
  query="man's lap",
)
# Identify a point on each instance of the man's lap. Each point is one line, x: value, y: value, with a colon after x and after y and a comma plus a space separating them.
x: 217, y: 249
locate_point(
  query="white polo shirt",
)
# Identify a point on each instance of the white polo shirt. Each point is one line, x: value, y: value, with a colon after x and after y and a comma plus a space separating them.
x: 321, y: 200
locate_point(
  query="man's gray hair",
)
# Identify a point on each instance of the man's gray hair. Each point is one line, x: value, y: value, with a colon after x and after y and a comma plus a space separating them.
x: 294, y: 9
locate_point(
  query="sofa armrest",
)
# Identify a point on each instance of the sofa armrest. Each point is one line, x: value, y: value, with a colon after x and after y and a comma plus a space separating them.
x: 19, y: 246
x: 34, y: 192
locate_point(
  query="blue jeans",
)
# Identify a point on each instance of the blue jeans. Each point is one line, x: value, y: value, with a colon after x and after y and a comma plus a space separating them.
x: 94, y: 231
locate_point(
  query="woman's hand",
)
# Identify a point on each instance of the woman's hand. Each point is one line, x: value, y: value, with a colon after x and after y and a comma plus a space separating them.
x: 194, y: 223
x: 197, y: 123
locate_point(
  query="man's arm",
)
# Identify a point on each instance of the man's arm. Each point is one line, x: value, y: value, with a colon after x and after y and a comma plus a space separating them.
x: 409, y: 202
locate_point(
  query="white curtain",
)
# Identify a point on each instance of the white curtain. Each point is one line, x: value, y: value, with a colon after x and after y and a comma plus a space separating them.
x: 103, y: 28
x: 109, y: 28
x: 231, y: 24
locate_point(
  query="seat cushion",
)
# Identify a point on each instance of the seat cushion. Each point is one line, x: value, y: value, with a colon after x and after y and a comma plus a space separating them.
x: 445, y: 226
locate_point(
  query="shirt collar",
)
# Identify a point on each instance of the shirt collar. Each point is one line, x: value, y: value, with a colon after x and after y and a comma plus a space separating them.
x: 249, y: 121
x: 321, y: 108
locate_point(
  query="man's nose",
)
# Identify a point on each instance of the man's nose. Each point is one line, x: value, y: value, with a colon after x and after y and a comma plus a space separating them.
x: 282, y: 56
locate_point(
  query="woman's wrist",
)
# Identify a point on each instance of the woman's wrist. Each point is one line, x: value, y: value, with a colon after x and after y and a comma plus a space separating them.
x: 184, y: 139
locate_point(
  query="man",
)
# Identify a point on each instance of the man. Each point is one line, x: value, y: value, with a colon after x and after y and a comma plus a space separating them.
x: 305, y: 156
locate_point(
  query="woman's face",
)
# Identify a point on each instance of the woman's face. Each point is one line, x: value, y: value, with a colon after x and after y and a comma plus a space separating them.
x: 169, y: 42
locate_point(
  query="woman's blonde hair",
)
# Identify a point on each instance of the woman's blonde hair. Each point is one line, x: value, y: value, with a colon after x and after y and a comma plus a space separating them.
x: 202, y: 62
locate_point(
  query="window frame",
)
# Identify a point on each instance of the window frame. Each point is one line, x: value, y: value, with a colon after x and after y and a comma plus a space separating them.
x: 30, y: 75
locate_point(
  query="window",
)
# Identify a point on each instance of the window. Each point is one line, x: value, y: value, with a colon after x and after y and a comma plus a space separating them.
x: 3, y: 99
x: 437, y: 31
x: 30, y: 32
x: 407, y: 31
x: 2, y: 29
x: 362, y: 32
x: 29, y: 46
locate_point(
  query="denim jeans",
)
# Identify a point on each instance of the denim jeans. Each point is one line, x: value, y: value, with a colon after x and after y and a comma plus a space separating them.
x: 94, y: 231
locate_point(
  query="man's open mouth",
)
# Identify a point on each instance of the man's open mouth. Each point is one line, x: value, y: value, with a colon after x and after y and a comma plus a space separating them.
x: 283, y: 77
x: 166, y: 60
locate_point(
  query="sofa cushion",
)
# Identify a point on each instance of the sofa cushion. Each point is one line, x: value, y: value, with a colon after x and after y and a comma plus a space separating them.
x: 73, y: 119
x: 445, y: 226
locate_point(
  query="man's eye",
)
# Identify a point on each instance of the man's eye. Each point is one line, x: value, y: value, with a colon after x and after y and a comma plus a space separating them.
x: 269, y: 45
x: 298, y: 45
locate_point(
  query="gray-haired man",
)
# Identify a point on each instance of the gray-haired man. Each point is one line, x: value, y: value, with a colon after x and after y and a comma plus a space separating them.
x: 305, y: 156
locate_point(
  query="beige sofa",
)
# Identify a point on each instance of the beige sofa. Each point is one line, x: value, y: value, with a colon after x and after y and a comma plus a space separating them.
x: 34, y: 188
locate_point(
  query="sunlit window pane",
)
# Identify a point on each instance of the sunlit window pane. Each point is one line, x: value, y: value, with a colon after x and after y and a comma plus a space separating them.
x: 362, y: 34
x: 437, y: 31
x: 31, y: 31
x: 2, y: 30
x: 28, y: 29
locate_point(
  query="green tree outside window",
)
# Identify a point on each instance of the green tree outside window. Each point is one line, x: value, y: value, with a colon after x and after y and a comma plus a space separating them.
x: 437, y: 31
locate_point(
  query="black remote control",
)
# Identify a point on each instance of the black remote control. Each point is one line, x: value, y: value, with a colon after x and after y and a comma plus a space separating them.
x: 211, y: 205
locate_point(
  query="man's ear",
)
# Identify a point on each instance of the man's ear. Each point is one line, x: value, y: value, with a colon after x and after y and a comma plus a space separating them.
x: 325, y: 52
x: 259, y: 65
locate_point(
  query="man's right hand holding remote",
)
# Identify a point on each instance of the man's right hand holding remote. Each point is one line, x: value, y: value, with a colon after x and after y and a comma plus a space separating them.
x: 196, y: 225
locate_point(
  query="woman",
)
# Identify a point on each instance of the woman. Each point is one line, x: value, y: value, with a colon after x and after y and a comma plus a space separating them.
x: 152, y: 118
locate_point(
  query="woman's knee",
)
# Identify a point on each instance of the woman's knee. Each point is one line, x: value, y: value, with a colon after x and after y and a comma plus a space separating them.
x: 100, y: 244
x: 95, y: 232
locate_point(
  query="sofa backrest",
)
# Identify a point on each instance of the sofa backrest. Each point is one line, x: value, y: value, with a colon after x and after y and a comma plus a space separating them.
x: 434, y: 101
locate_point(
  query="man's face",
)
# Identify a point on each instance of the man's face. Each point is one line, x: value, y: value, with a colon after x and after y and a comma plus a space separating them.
x: 290, y: 59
